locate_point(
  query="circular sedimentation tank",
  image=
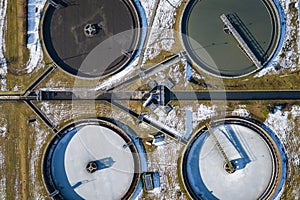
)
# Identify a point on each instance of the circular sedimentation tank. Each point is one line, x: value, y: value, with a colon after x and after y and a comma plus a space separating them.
x: 93, y: 159
x: 217, y: 49
x: 92, y: 38
x: 235, y: 158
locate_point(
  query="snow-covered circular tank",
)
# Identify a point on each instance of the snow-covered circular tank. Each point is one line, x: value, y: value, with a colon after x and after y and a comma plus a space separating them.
x: 234, y: 158
x: 92, y: 159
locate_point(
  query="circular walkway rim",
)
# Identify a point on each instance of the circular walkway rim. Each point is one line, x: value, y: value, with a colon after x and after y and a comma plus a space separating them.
x: 276, y: 182
x: 137, y: 43
x: 50, y: 148
x: 273, y: 10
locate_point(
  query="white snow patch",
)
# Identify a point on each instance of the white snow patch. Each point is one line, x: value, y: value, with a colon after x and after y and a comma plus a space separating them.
x: 196, y: 75
x: 3, y: 188
x: 148, y: 6
x: 175, y: 74
x: 17, y: 184
x: 144, y: 126
x: 174, y: 121
x: 3, y: 64
x: 162, y: 33
x: 202, y: 112
x: 34, y: 45
x: 241, y: 111
x: 16, y: 88
x: 2, y: 177
x: 280, y: 124
x: 57, y: 112
x: 290, y: 55
x: 123, y: 116
x: 117, y: 78
x: 3, y: 131
x: 164, y: 159
x: 168, y: 121
x: 283, y: 124
x: 1, y: 160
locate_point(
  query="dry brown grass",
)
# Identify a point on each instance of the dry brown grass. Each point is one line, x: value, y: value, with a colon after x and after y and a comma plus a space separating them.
x: 17, y: 53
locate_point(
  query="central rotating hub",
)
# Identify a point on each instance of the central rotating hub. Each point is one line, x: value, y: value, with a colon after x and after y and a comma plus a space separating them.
x: 230, y: 169
x: 92, y: 167
x: 91, y: 30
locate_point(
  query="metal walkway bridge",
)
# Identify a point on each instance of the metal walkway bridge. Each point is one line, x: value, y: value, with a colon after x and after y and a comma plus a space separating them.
x: 244, y: 46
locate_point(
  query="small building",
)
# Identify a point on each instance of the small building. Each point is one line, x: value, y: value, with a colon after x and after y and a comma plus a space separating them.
x: 188, y: 71
x: 168, y: 108
x: 157, y: 139
x: 151, y: 180
x: 188, y: 124
x: 153, y: 107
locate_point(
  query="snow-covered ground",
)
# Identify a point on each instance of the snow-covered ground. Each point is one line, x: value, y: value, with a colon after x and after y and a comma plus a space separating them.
x: 3, y: 64
x: 3, y: 130
x: 35, y: 8
x: 162, y: 33
x: 174, y: 121
x: 148, y: 6
x: 36, y: 155
x: 286, y: 125
x: 36, y: 55
x: 241, y: 111
x: 164, y: 159
x: 288, y: 61
x: 58, y: 112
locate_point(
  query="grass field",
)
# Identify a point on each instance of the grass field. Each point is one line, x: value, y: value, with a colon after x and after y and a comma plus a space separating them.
x: 17, y: 53
x: 22, y: 160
